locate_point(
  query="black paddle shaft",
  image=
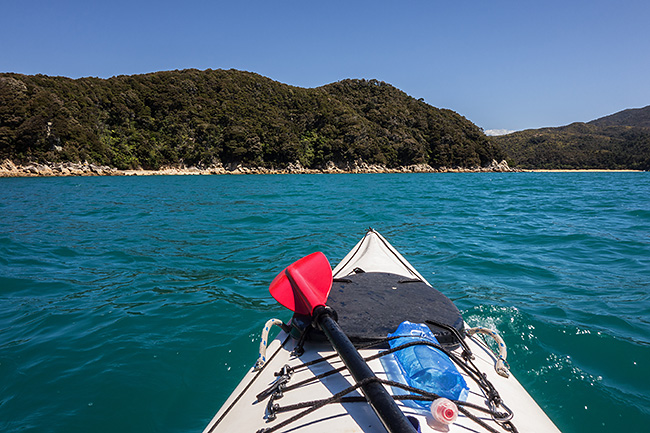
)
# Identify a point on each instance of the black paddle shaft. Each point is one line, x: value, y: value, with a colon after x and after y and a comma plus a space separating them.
x: 380, y: 401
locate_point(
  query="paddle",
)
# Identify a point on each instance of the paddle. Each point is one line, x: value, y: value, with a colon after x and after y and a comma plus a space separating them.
x: 303, y: 287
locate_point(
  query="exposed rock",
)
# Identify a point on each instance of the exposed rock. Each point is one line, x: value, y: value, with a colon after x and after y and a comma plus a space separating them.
x: 44, y: 170
x: 421, y: 168
x: 295, y: 167
x: 330, y: 167
x: 501, y: 167
x: 9, y: 169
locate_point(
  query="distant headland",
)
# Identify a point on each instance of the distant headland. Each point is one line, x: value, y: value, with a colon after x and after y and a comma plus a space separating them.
x: 620, y: 141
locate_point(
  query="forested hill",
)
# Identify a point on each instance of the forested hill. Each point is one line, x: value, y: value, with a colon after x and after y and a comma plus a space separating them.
x: 617, y: 141
x: 201, y: 118
x: 636, y: 117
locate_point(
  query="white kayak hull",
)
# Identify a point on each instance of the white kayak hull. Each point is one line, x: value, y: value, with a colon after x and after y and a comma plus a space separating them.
x: 242, y: 412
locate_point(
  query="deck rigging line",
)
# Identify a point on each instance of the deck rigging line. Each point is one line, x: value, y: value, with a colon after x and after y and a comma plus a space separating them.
x: 464, y: 362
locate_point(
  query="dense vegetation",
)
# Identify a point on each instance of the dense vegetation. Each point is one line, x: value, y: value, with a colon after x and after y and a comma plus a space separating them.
x: 637, y: 117
x: 618, y: 141
x: 200, y: 118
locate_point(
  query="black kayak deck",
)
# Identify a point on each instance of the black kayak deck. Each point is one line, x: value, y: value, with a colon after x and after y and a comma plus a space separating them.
x: 370, y: 305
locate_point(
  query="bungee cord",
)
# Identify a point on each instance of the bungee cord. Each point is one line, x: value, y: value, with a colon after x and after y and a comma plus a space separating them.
x: 464, y: 361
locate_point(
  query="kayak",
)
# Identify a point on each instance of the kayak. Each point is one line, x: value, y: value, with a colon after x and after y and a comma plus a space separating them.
x: 341, y: 365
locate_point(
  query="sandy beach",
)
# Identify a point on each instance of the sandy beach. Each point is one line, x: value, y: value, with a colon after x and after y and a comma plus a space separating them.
x: 583, y: 170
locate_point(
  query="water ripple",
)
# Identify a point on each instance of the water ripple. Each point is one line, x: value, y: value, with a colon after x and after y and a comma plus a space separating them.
x: 144, y: 297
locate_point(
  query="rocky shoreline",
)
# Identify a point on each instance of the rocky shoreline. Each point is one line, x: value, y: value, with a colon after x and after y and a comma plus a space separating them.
x: 9, y: 169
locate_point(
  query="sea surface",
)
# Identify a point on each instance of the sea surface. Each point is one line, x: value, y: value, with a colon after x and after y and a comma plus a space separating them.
x: 135, y: 304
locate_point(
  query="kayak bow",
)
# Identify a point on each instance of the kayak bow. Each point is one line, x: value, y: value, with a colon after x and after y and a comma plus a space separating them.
x: 335, y: 346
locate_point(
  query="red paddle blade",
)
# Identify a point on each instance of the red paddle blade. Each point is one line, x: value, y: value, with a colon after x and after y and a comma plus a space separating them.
x: 303, y: 285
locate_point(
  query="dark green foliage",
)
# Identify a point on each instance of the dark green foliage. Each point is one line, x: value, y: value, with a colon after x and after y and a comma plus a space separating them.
x: 639, y: 117
x: 198, y: 118
x: 581, y: 146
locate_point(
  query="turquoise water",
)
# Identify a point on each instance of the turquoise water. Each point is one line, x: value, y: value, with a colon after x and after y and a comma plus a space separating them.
x: 134, y: 304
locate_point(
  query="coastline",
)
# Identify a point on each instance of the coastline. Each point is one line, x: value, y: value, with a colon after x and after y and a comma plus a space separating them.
x: 9, y: 169
x: 581, y: 170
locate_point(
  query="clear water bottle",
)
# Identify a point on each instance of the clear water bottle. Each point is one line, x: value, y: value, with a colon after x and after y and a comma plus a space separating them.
x: 426, y: 367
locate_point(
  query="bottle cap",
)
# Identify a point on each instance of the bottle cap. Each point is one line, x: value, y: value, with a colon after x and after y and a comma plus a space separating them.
x: 444, y: 410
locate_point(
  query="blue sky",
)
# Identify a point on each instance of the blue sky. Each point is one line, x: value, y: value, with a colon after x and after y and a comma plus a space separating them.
x: 502, y: 64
